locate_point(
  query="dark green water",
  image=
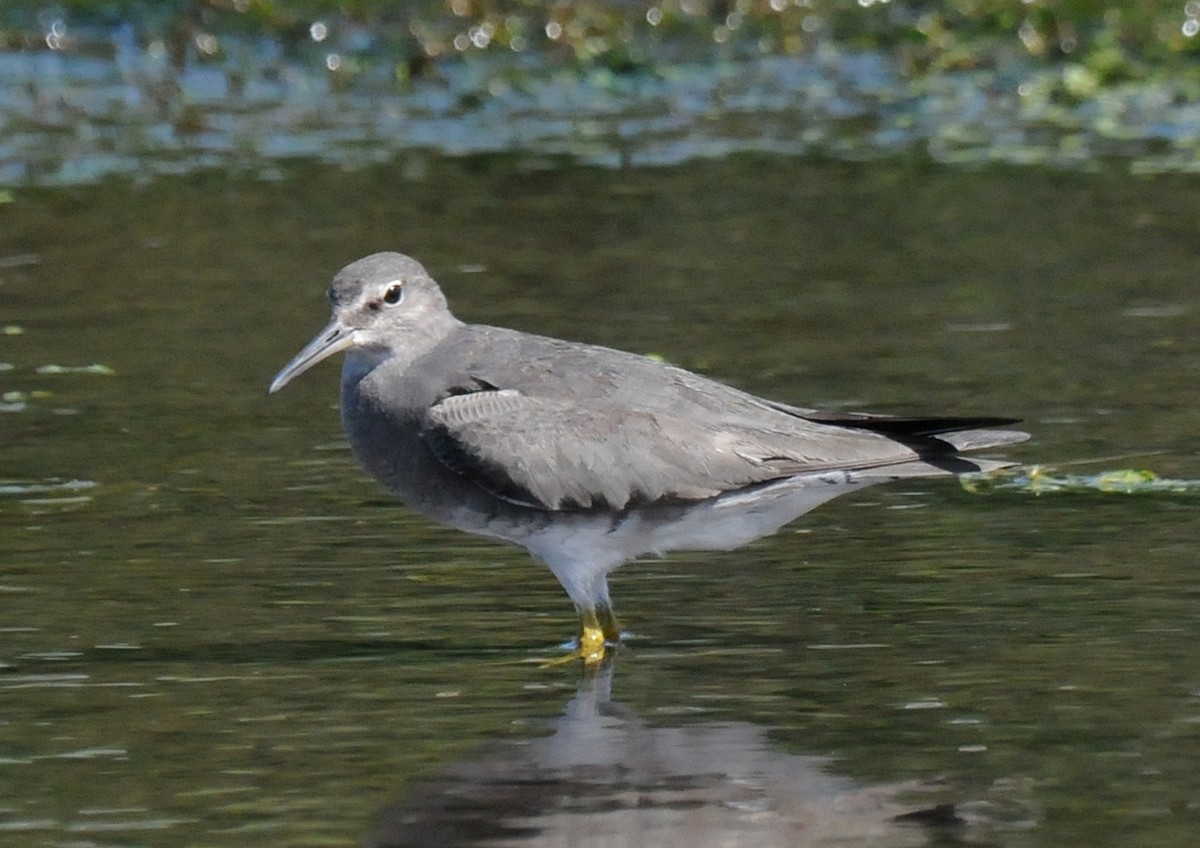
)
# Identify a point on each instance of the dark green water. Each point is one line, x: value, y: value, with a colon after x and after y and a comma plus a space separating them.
x: 224, y: 634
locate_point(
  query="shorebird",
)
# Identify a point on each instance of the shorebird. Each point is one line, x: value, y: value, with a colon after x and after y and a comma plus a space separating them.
x: 589, y: 457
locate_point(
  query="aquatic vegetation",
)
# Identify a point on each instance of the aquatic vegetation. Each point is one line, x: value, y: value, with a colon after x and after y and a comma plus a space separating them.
x: 1039, y: 480
x: 93, y: 88
x: 94, y: 368
x: 1112, y: 42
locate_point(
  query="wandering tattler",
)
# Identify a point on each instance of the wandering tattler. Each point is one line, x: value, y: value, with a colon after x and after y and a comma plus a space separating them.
x: 586, y: 456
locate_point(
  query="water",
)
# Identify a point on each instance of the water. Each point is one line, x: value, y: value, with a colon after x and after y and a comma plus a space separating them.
x: 84, y: 97
x: 217, y: 631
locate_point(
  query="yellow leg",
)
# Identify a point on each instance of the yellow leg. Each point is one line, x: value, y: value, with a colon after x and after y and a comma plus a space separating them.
x: 593, y: 634
x: 598, y: 632
x: 608, y: 624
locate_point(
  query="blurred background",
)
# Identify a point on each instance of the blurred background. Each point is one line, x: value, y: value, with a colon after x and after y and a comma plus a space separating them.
x: 215, y: 630
x: 99, y: 87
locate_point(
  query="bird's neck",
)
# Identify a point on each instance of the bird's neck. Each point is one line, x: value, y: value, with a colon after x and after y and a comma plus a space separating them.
x: 360, y: 362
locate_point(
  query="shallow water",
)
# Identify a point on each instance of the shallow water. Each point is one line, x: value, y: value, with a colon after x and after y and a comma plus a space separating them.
x: 84, y: 97
x: 217, y: 631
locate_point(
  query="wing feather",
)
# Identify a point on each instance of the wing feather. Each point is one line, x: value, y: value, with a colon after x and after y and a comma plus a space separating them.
x: 556, y: 425
x: 555, y: 453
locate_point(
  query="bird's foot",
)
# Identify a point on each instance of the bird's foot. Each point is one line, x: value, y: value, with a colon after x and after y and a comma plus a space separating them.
x: 598, y: 636
x: 592, y: 645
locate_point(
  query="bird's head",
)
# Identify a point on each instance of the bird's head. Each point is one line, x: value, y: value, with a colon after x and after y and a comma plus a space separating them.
x: 381, y: 303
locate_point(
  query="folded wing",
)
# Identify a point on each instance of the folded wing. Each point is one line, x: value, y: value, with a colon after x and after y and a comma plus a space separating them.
x: 555, y: 454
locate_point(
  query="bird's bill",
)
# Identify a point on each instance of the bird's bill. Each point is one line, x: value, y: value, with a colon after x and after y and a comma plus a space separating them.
x: 333, y: 339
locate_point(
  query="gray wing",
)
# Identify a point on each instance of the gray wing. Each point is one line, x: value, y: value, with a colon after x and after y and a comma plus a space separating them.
x: 558, y: 425
x: 557, y: 453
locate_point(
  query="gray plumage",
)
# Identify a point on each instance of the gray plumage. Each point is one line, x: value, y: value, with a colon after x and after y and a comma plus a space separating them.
x: 589, y: 456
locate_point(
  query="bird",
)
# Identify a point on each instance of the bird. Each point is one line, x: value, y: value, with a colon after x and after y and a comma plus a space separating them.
x: 588, y: 456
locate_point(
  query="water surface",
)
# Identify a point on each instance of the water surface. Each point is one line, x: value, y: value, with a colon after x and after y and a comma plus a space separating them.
x: 217, y: 631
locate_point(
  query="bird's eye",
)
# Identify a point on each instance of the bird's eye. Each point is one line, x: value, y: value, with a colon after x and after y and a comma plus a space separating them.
x: 394, y: 294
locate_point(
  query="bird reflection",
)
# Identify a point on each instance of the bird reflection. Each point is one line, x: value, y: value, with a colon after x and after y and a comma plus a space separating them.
x: 604, y: 777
